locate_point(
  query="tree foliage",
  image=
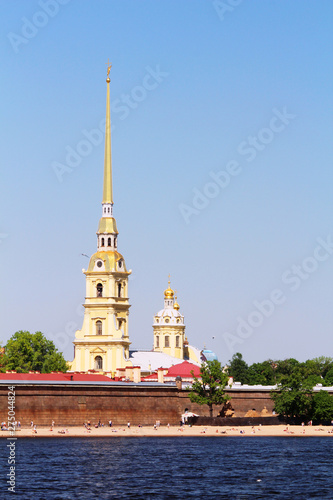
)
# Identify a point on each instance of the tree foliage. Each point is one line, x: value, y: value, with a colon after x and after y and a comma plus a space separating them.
x: 27, y: 351
x: 322, y: 406
x: 271, y: 372
x: 293, y: 398
x: 210, y: 389
x: 238, y: 369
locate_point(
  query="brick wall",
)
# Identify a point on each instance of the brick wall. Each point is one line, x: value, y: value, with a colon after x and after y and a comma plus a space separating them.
x: 75, y: 405
x: 69, y: 404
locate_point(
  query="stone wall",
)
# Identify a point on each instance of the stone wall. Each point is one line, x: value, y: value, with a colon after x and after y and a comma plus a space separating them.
x: 75, y: 403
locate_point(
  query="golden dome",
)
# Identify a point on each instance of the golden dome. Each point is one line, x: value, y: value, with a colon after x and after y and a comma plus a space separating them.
x: 169, y: 293
x: 176, y: 305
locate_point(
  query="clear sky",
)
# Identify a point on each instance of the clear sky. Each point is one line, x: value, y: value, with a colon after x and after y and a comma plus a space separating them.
x: 222, y: 161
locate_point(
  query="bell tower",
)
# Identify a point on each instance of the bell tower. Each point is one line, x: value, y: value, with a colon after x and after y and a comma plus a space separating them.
x: 103, y: 342
x: 169, y: 327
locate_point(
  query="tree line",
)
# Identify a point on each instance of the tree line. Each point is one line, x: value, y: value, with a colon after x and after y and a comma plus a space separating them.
x: 270, y: 372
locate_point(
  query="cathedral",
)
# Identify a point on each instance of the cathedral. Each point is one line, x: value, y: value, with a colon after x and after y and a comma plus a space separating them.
x: 103, y: 343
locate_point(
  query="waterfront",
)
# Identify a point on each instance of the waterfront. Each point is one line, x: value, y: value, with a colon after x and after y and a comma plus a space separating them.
x: 236, y: 468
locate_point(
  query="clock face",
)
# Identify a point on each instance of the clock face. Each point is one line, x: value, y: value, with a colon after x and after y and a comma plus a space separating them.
x: 99, y: 263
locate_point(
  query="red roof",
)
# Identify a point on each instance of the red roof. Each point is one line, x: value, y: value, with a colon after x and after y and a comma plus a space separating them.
x: 153, y: 376
x: 180, y: 370
x: 59, y: 377
x: 184, y: 370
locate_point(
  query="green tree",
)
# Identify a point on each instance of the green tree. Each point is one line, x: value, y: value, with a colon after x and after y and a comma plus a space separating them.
x: 210, y: 389
x: 293, y: 398
x: 261, y: 373
x: 312, y: 380
x: 285, y: 369
x: 322, y: 406
x: 324, y: 365
x: 238, y: 369
x: 27, y: 351
x: 329, y: 377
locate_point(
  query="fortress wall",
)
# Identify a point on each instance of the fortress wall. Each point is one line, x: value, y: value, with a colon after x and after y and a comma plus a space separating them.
x: 73, y: 404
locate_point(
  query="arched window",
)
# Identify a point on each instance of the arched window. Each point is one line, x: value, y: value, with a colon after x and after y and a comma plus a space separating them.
x: 99, y: 289
x: 166, y: 341
x: 108, y: 209
x: 98, y: 327
x: 157, y: 341
x: 102, y: 242
x: 109, y: 242
x: 177, y: 341
x: 98, y: 363
x: 119, y: 289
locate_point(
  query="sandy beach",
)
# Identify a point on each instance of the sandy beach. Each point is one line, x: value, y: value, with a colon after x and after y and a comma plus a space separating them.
x: 165, y: 431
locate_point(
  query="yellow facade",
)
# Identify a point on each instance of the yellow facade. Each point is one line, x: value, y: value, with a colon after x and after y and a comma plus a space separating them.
x: 169, y: 328
x: 103, y: 343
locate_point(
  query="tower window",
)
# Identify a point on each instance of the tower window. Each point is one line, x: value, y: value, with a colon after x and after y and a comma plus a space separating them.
x: 98, y: 363
x: 119, y: 289
x: 157, y: 341
x: 108, y: 209
x: 166, y: 341
x: 99, y: 289
x: 98, y: 327
x: 102, y: 242
x: 109, y: 242
x: 177, y: 341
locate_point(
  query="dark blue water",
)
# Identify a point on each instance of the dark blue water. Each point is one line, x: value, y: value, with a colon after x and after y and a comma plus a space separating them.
x: 234, y: 468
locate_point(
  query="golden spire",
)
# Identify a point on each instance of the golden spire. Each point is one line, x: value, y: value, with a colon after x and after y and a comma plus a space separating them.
x: 107, y: 184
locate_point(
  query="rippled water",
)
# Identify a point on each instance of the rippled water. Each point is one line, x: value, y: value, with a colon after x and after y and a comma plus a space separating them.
x: 234, y: 468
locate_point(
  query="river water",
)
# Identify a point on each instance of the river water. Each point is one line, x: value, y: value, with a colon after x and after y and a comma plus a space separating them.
x: 233, y: 468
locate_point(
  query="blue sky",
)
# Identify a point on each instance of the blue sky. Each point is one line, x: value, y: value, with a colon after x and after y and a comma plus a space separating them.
x: 222, y: 158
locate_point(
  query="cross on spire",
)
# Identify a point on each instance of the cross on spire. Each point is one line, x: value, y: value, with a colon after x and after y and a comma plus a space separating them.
x: 109, y: 67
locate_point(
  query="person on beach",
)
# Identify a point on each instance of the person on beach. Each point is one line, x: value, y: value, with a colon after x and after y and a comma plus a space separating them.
x: 110, y: 423
x: 128, y: 425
